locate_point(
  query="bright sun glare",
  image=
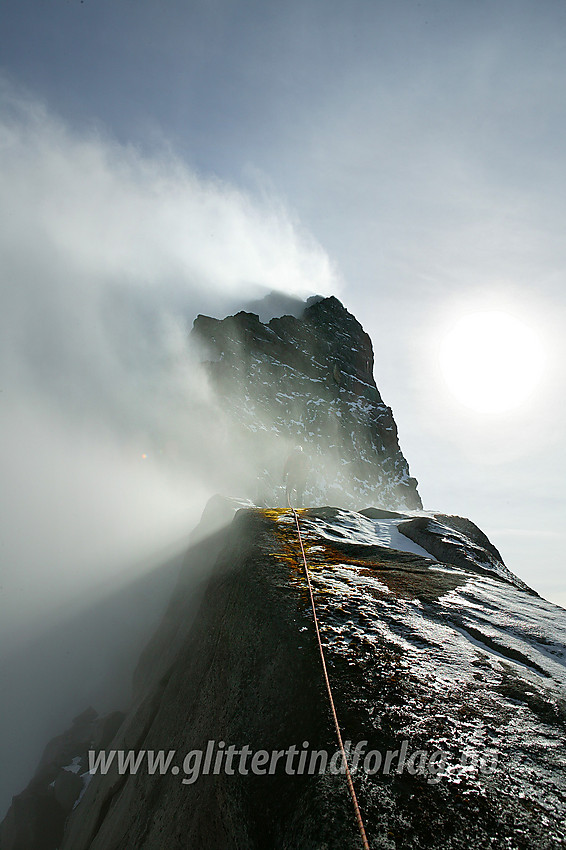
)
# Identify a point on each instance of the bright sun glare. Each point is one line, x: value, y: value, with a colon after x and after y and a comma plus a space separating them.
x: 491, y: 361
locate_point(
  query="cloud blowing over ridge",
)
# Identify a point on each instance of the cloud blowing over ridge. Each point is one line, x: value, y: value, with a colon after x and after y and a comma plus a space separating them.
x: 109, y: 254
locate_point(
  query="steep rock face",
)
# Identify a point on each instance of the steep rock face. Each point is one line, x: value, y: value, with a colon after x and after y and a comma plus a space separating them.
x: 308, y: 379
x: 424, y: 658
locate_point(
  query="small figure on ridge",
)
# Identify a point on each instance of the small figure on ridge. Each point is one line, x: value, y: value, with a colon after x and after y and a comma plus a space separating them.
x: 295, y: 474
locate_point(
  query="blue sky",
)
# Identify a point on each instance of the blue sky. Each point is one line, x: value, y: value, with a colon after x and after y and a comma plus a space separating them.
x: 407, y: 156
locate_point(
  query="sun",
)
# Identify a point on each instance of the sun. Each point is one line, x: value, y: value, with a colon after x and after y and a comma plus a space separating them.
x: 491, y: 361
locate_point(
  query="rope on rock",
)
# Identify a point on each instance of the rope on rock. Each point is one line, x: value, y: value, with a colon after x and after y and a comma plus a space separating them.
x: 329, y: 689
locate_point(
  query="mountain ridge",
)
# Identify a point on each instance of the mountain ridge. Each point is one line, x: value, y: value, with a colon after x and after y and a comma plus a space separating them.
x: 443, y: 663
x: 445, y: 659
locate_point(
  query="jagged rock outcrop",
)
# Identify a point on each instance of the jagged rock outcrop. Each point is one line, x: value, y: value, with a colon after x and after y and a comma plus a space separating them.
x: 458, y: 541
x: 308, y: 379
x: 455, y: 672
x: 36, y: 818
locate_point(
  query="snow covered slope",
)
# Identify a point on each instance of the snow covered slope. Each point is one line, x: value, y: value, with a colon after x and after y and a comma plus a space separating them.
x: 480, y: 662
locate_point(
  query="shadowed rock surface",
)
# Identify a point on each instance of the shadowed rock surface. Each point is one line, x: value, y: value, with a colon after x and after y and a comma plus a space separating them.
x: 451, y: 661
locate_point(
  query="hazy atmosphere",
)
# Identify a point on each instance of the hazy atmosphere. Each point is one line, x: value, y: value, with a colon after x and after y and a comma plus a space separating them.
x: 160, y: 160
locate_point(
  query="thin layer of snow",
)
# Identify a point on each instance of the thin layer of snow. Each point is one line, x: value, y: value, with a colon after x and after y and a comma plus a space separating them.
x: 86, y: 777
x: 491, y: 657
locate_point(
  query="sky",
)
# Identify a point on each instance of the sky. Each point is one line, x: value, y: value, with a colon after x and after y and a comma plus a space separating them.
x: 406, y: 156
x: 161, y: 159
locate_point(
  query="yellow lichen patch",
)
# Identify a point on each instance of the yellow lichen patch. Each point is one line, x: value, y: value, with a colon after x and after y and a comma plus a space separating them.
x: 272, y: 513
x: 289, y: 550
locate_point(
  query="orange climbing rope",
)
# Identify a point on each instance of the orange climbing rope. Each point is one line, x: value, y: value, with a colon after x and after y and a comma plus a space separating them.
x: 329, y: 689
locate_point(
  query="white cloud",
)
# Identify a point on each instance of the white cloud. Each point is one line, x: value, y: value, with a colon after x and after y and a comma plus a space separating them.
x: 108, y: 255
x: 106, y: 209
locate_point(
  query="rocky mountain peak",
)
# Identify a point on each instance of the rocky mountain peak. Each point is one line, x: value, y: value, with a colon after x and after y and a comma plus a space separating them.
x: 308, y: 379
x: 447, y: 671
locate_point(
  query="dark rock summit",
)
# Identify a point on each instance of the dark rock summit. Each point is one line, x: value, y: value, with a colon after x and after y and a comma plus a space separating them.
x: 308, y: 380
